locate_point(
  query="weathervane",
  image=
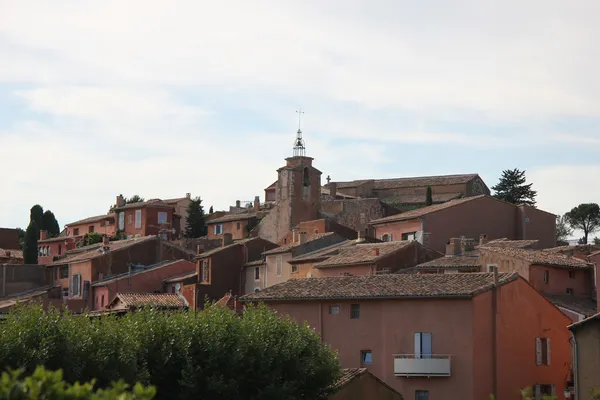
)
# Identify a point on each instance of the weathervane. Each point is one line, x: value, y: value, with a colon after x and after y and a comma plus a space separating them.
x: 299, y: 149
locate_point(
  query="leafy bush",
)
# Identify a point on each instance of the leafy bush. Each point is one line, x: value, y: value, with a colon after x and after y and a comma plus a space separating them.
x: 44, y: 384
x: 215, y: 355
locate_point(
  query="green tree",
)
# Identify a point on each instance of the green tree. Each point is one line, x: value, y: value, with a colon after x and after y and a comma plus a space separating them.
x: 429, y: 197
x: 36, y: 214
x: 215, y: 354
x: 44, y: 384
x: 30, y: 249
x: 210, y: 210
x: 21, y: 238
x: 50, y: 224
x: 512, y: 188
x: 134, y: 199
x: 585, y: 217
x: 195, y: 225
x: 89, y: 239
x: 563, y: 230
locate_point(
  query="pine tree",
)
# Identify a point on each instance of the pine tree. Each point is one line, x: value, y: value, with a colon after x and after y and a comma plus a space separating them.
x: 50, y: 224
x: 210, y: 210
x: 512, y: 188
x: 195, y: 225
x: 429, y: 197
x: 134, y: 199
x: 30, y: 250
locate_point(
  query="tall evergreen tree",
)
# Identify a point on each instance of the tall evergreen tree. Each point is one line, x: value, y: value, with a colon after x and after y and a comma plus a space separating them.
x: 429, y: 197
x: 30, y: 250
x: 36, y: 214
x: 50, y: 224
x: 512, y: 188
x: 134, y: 199
x: 585, y: 217
x: 210, y: 210
x: 195, y: 225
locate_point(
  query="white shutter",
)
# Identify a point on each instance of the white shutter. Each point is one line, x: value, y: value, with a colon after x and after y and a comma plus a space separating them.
x: 417, y: 344
x: 548, y: 351
x: 538, y: 351
x: 215, y: 229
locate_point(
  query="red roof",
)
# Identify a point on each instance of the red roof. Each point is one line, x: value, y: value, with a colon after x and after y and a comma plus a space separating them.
x: 158, y: 300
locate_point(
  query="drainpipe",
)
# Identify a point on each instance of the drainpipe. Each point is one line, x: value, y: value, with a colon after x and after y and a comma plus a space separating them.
x: 495, y: 335
x: 575, y: 364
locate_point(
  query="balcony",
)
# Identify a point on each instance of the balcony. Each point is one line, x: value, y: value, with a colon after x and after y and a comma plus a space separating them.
x: 427, y: 365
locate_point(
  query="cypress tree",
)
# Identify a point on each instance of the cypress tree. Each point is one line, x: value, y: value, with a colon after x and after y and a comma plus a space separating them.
x: 50, y: 224
x: 195, y: 225
x: 429, y: 197
x: 30, y: 250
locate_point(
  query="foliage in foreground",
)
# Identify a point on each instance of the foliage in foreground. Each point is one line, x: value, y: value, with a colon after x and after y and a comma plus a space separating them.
x: 216, y: 355
x: 44, y: 384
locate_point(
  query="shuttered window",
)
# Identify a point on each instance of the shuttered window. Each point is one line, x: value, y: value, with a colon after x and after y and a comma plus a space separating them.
x: 542, y: 351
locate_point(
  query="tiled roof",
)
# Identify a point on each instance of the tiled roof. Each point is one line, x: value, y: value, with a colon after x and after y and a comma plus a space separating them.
x: 90, y: 220
x: 452, y: 262
x: 363, y: 253
x: 511, y: 243
x: 425, y: 210
x: 93, y: 251
x: 348, y: 375
x: 580, y: 304
x: 177, y: 200
x: 323, y: 253
x: 25, y: 296
x: 113, y: 278
x: 381, y: 287
x: 233, y: 217
x: 325, y: 191
x: 61, y: 239
x: 13, y: 253
x: 412, y: 182
x: 290, y: 246
x: 229, y: 246
x: 181, y: 277
x: 421, y: 199
x: 539, y: 257
x: 148, y: 203
x: 254, y: 263
x: 272, y: 185
x: 159, y: 300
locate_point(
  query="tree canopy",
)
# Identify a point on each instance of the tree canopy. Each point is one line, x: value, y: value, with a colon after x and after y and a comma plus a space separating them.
x: 513, y: 189
x: 134, y: 199
x: 563, y: 230
x: 36, y: 214
x: 30, y: 250
x: 428, y: 197
x: 215, y: 354
x: 195, y: 225
x: 585, y: 217
x: 50, y: 224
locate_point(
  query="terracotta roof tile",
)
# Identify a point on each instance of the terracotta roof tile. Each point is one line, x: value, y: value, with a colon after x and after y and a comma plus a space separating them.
x: 181, y: 277
x: 229, y: 246
x: 25, y: 296
x: 159, y: 300
x: 421, y: 181
x: 290, y: 246
x: 364, y: 253
x: 425, y: 210
x: 93, y: 251
x: 580, y: 304
x: 381, y: 286
x: 539, y: 257
x: 323, y: 253
x: 147, y: 203
x: 234, y: 217
x: 348, y: 374
x: 511, y: 243
x: 421, y: 199
x: 452, y: 262
x: 13, y: 253
x: 93, y: 219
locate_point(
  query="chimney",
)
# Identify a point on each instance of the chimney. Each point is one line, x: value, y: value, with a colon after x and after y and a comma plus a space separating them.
x: 302, y: 239
x: 453, y: 247
x: 199, y: 249
x: 333, y: 189
x: 43, y: 234
x: 237, y: 203
x: 227, y: 239
x: 375, y: 252
x: 188, y: 195
x: 360, y: 239
x: 257, y: 203
x: 483, y: 239
x: 120, y: 201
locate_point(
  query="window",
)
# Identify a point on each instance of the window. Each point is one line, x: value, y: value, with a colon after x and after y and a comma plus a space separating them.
x: 423, y: 345
x: 122, y: 221
x: 279, y: 265
x: 173, y: 289
x: 543, y: 390
x: 63, y: 272
x: 102, y: 303
x: 59, y: 249
x: 76, y: 232
x: 366, y: 357
x: 492, y: 267
x: 205, y: 271
x: 355, y: 311
x: 542, y: 351
x: 409, y: 236
x: 546, y: 276
x: 238, y: 226
x: 572, y: 274
x: 294, y: 268
x: 257, y: 273
x: 91, y: 229
x: 570, y: 291
x: 162, y: 217
x: 421, y: 395
x: 138, y: 219
x: 65, y: 292
x: 334, y: 310
x: 385, y: 237
x: 218, y: 229
x: 76, y: 285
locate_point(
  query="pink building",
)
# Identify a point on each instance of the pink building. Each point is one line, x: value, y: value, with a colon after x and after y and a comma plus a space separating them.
x: 436, y: 336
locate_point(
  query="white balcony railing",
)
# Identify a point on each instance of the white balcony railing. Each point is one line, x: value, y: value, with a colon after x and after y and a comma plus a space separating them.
x: 425, y: 365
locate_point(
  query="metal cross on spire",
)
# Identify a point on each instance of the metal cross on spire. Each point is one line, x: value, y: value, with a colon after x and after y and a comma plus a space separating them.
x: 299, y: 148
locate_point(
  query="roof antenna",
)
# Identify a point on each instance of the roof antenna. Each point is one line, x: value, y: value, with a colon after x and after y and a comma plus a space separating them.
x: 299, y: 149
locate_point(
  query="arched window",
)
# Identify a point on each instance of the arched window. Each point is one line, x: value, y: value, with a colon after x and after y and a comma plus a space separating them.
x: 306, y: 177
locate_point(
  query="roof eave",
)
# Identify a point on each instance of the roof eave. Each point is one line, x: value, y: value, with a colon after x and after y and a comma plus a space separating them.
x: 448, y: 296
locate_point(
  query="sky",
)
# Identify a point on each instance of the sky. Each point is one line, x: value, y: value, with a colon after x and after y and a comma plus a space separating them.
x: 99, y: 98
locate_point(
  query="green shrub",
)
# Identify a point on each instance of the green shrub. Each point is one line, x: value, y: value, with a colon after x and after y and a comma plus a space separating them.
x: 214, y: 355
